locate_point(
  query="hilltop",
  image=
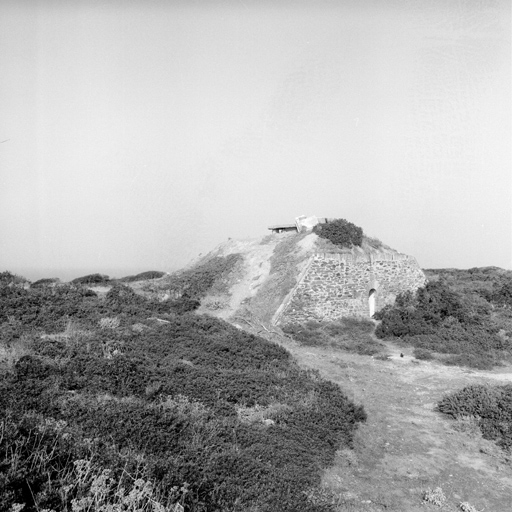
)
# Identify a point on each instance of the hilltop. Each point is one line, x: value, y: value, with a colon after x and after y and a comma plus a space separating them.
x: 267, y: 270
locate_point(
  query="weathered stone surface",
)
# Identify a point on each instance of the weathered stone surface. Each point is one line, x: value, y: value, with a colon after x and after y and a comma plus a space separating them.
x: 340, y: 285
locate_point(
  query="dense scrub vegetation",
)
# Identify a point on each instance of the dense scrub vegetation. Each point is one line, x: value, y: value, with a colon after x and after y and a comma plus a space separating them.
x: 458, y: 314
x: 126, y: 404
x: 91, y: 279
x: 340, y: 232
x: 143, y: 276
x: 491, y: 406
x: 350, y: 334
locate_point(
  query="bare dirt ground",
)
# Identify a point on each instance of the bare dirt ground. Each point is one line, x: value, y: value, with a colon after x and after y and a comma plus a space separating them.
x: 406, y: 447
x: 256, y: 267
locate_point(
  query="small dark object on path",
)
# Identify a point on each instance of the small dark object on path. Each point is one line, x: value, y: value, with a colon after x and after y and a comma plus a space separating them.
x: 401, y: 355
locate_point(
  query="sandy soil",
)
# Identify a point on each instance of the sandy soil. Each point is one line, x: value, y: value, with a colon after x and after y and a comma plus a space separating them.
x: 257, y: 253
x: 406, y: 447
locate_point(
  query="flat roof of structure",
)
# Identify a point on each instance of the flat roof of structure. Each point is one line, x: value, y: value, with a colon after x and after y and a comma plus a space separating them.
x: 283, y: 226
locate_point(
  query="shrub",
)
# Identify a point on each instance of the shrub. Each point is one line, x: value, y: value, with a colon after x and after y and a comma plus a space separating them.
x: 422, y: 353
x: 143, y: 276
x: 340, y: 232
x: 440, y: 319
x: 502, y: 295
x: 490, y: 405
x: 9, y: 279
x: 435, y: 496
x: 41, y: 283
x: 92, y: 279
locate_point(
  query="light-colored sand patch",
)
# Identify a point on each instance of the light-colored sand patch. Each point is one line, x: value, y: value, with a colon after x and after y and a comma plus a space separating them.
x: 256, y: 268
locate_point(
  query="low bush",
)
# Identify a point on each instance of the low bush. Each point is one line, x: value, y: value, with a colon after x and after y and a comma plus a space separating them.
x: 340, y: 232
x: 490, y: 405
x: 478, y: 362
x: 92, y: 279
x: 9, y: 279
x: 41, y: 283
x: 143, y: 276
x: 423, y: 354
x: 440, y: 319
x: 350, y: 334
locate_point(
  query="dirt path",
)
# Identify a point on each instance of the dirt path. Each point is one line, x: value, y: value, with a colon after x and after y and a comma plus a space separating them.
x: 406, y: 447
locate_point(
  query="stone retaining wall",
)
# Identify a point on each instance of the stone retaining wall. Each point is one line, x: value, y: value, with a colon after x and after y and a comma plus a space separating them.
x: 338, y: 285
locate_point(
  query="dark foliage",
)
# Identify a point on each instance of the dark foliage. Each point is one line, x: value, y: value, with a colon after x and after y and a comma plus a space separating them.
x: 92, y: 279
x: 502, y: 295
x: 143, y: 276
x: 340, y: 232
x: 490, y: 405
x: 41, y: 283
x: 440, y: 319
x: 9, y: 279
x: 44, y: 308
x: 492, y: 284
x: 49, y: 309
x: 167, y: 393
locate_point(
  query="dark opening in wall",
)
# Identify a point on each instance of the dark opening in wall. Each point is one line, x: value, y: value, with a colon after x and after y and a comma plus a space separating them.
x: 371, y: 301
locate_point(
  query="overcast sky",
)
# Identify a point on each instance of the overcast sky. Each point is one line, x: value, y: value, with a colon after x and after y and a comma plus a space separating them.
x: 141, y: 133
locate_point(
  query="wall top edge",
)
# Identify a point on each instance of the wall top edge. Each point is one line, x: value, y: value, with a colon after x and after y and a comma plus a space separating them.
x: 372, y: 257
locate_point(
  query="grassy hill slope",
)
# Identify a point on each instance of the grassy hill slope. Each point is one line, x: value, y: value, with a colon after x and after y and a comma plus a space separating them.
x: 120, y: 402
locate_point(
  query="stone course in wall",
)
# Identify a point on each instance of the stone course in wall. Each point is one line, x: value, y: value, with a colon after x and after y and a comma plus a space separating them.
x: 339, y: 285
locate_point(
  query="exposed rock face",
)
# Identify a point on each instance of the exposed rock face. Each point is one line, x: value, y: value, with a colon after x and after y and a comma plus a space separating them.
x: 356, y: 283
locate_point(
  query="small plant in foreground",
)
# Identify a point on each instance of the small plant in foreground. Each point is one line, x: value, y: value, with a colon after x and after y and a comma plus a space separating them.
x: 109, y: 323
x: 466, y: 507
x: 435, y: 496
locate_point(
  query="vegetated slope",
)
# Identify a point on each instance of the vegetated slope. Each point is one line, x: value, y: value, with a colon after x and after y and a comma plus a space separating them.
x: 465, y: 316
x: 131, y: 402
x: 265, y: 271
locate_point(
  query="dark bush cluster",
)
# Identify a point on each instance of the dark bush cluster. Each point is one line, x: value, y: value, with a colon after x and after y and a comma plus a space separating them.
x: 490, y: 405
x: 340, y: 232
x: 92, y: 279
x: 49, y: 309
x: 9, y: 279
x: 41, y: 283
x: 438, y: 318
x: 215, y: 418
x: 143, y: 276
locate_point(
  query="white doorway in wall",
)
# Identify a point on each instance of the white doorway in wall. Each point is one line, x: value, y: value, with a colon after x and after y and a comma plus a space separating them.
x: 371, y: 301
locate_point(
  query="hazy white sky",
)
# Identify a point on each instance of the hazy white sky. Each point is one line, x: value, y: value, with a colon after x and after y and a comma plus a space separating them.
x: 141, y: 133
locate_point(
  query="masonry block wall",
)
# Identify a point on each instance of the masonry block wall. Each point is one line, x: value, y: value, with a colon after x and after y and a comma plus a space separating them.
x: 338, y: 285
